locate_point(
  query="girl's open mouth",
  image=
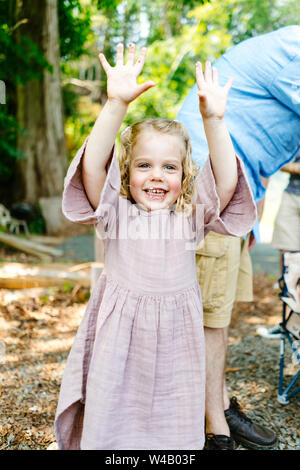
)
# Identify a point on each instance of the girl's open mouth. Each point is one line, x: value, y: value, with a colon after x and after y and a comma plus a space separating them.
x: 156, y: 193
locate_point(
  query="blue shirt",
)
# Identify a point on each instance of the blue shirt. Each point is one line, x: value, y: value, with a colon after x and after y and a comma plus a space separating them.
x: 263, y: 107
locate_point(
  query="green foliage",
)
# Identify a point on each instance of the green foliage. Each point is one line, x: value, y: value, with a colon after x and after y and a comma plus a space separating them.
x: 170, y: 65
x: 37, y: 226
x: 242, y: 19
x: 8, y: 131
x: 20, y: 61
x: 184, y: 32
x: 67, y: 287
x: 176, y: 32
x: 44, y: 299
x: 171, y: 62
x: 79, y: 124
x: 166, y: 18
x: 108, y: 5
x: 74, y: 19
x: 8, y: 150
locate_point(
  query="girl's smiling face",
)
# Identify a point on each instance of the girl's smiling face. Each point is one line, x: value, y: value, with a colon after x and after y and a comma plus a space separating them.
x: 156, y: 170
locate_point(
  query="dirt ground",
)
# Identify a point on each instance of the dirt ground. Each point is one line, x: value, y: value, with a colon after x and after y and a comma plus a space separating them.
x: 37, y: 328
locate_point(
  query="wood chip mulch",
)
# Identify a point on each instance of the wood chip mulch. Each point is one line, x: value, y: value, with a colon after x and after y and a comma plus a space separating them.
x: 37, y: 328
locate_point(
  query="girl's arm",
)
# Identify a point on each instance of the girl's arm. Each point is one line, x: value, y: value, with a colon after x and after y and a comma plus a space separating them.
x: 212, y: 104
x: 122, y: 89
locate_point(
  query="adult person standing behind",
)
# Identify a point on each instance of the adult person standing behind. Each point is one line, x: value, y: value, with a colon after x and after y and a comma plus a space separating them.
x: 263, y: 118
x: 286, y: 233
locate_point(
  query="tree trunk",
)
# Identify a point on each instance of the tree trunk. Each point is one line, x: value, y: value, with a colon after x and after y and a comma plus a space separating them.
x: 40, y: 110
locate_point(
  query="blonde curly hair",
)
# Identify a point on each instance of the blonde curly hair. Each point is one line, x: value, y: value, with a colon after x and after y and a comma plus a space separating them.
x: 189, y: 169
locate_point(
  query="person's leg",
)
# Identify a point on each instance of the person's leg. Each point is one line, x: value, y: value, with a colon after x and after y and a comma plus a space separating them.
x: 284, y: 239
x: 216, y: 340
x: 216, y: 346
x: 226, y: 399
x: 242, y: 428
x: 220, y: 274
x: 273, y: 332
x: 217, y: 271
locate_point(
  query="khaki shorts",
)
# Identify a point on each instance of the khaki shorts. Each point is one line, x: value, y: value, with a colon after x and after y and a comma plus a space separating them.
x: 224, y: 272
x: 286, y: 234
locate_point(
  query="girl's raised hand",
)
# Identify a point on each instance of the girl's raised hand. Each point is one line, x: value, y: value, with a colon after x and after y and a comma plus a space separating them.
x: 212, y: 97
x: 122, y: 79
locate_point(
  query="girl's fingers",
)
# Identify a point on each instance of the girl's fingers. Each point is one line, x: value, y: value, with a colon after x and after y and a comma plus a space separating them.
x: 207, y: 72
x: 145, y: 86
x: 104, y: 62
x: 215, y: 78
x: 141, y: 59
x: 131, y: 54
x: 199, y: 74
x: 120, y: 51
x: 228, y: 84
x: 202, y: 96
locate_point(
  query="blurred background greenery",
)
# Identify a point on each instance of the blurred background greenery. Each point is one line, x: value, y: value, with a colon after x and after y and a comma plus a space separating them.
x: 176, y: 32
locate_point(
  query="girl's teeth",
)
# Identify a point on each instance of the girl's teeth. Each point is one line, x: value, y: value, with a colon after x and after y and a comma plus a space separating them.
x: 155, y: 191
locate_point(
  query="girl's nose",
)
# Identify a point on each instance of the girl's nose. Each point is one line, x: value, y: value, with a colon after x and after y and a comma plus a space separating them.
x: 157, y: 173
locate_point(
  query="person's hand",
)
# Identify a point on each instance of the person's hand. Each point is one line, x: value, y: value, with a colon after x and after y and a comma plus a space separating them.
x: 212, y: 97
x: 252, y: 242
x: 122, y: 79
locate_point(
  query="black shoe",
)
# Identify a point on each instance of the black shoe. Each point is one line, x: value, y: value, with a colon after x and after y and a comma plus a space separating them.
x: 219, y: 442
x: 245, y: 432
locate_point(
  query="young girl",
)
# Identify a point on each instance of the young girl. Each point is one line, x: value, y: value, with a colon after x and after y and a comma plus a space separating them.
x: 135, y: 375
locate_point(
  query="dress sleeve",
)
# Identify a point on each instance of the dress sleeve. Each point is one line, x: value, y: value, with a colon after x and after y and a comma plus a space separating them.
x: 238, y: 217
x: 75, y: 203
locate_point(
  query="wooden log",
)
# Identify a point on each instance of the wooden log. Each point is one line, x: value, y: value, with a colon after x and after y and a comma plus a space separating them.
x: 43, y: 252
x: 46, y: 240
x: 21, y: 276
x: 28, y: 282
x: 90, y: 264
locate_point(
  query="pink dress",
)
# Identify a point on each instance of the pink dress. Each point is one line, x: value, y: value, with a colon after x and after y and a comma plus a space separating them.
x: 135, y: 376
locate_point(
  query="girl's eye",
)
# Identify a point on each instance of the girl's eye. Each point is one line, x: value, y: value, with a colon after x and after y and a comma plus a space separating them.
x: 143, y: 165
x: 170, y: 167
